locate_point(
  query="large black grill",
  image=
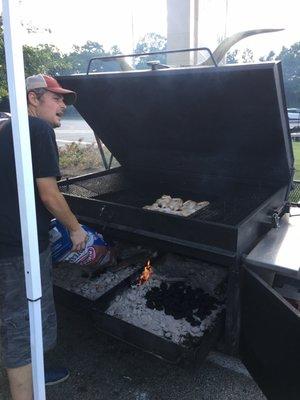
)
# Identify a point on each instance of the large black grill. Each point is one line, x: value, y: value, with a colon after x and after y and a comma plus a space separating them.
x: 204, y: 134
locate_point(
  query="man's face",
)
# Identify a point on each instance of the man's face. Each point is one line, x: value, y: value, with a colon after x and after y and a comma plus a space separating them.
x: 51, y: 108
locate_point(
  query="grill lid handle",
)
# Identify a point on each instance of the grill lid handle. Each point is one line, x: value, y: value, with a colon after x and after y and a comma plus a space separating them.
x: 121, y: 56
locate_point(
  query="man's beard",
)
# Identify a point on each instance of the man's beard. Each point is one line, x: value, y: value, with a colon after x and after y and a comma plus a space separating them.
x: 56, y: 125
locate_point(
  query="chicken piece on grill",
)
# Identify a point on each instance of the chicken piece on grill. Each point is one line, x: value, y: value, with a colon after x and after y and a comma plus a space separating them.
x: 188, y: 208
x: 153, y: 207
x: 175, y: 204
x: 189, y: 205
x: 164, y: 201
x: 167, y: 210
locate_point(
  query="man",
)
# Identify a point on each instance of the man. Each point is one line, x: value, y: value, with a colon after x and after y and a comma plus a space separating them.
x: 47, y: 102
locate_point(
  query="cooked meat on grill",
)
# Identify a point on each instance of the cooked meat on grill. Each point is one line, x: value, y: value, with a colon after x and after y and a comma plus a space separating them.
x: 164, y: 201
x: 153, y: 207
x: 189, y: 204
x: 176, y: 206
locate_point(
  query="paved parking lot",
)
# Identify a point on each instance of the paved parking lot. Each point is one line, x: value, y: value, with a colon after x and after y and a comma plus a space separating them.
x: 105, y: 369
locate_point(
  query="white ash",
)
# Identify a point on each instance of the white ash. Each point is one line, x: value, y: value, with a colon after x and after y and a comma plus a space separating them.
x: 70, y: 277
x: 131, y: 307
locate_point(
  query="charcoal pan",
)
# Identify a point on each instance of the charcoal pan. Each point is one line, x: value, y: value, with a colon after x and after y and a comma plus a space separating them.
x: 149, y: 342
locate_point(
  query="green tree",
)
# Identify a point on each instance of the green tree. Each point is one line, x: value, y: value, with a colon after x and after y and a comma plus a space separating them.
x: 231, y: 57
x: 270, y: 57
x: 3, y: 84
x: 290, y: 58
x: 44, y: 59
x: 149, y: 43
x: 247, y: 56
x: 114, y: 50
x: 80, y: 56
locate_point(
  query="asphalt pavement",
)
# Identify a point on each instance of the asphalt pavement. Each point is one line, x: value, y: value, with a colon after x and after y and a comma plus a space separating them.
x: 103, y: 368
x: 74, y: 130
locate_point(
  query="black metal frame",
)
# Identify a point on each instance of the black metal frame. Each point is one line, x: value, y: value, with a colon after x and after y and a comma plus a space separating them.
x: 118, y: 56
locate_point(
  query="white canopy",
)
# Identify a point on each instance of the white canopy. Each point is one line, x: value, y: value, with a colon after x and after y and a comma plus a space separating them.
x: 22, y: 149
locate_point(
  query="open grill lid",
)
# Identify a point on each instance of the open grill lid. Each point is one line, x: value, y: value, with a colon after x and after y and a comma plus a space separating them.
x: 222, y: 122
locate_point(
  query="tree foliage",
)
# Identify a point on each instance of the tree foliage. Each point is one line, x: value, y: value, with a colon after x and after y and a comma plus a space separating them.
x: 231, y: 57
x: 3, y: 85
x: 79, y: 57
x: 270, y: 57
x: 44, y: 59
x: 290, y: 58
x: 247, y: 56
x: 151, y: 42
x: 48, y: 59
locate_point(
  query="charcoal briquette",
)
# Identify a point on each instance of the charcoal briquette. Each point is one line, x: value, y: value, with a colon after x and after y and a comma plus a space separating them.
x: 150, y: 304
x: 168, y: 311
x: 181, y: 301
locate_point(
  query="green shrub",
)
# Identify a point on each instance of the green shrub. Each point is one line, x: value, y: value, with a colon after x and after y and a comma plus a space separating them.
x: 77, y: 159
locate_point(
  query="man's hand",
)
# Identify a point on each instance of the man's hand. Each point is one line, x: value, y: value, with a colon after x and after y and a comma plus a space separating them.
x: 54, y: 201
x: 79, y: 238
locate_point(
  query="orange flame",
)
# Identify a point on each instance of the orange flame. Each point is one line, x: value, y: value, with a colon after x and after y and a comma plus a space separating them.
x: 146, y: 274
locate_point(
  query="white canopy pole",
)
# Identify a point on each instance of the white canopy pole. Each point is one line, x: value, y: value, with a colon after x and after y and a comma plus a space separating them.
x: 22, y: 149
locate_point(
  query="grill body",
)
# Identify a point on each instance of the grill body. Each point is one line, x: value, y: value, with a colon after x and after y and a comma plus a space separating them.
x: 216, y: 134
x: 229, y: 226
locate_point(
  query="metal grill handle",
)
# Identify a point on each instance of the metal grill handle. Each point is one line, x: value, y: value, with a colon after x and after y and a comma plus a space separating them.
x: 110, y: 58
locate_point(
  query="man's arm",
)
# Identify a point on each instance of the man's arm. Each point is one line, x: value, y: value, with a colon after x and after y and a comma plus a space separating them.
x: 56, y: 204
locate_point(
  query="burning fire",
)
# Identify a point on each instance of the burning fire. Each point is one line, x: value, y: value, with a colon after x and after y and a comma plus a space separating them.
x: 146, y: 274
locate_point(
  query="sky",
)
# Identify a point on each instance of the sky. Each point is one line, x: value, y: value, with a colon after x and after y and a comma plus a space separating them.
x: 253, y: 14
x: 108, y: 22
x: 125, y: 22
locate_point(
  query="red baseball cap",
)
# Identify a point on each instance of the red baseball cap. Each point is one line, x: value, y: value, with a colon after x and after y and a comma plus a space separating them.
x: 51, y: 84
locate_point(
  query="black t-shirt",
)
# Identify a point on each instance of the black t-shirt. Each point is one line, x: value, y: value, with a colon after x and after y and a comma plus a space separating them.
x: 45, y: 164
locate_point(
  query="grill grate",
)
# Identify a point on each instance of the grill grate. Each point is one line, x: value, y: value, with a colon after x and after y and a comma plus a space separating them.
x: 93, y: 187
x: 232, y: 210
x: 227, y: 211
x: 114, y: 188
